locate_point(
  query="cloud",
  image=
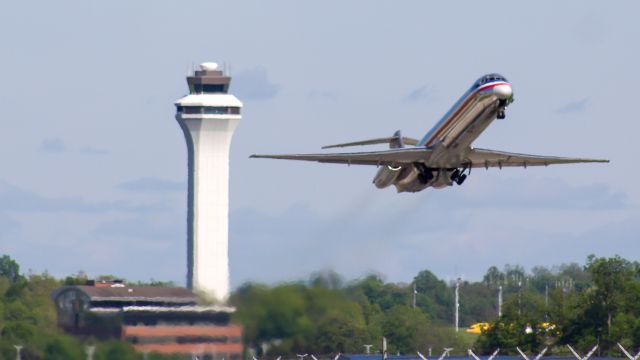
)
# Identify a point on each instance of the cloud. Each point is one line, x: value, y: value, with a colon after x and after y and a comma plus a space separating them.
x: 15, y: 199
x: 7, y: 227
x: 537, y: 193
x: 403, y: 233
x: 323, y: 95
x: 57, y: 146
x: 88, y: 150
x: 419, y: 94
x: 253, y: 84
x: 53, y: 145
x: 150, y: 184
x: 144, y: 227
x: 574, y: 106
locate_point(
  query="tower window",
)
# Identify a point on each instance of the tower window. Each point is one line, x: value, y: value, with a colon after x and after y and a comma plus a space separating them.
x: 209, y: 110
x: 208, y: 88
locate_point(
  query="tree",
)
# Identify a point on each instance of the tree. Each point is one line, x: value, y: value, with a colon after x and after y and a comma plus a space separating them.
x: 339, y: 333
x: 115, y: 350
x: 405, y: 328
x: 610, y: 277
x: 59, y: 349
x: 493, y: 277
x: 9, y: 268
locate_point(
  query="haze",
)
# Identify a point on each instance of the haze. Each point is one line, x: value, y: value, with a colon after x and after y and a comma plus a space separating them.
x: 94, y: 163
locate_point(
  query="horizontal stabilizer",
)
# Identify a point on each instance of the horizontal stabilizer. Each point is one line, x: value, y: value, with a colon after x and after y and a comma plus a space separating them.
x: 387, y: 140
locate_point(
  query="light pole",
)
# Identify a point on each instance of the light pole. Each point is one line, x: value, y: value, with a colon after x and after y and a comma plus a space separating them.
x: 457, y: 306
x: 499, y: 301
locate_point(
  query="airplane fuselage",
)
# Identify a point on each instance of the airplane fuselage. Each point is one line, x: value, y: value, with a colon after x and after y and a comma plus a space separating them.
x: 450, y: 139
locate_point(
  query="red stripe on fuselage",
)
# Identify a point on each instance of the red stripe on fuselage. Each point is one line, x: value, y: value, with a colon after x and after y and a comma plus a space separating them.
x: 464, y: 104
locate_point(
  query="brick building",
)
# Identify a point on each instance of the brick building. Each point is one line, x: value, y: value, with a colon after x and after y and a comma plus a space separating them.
x: 152, y: 318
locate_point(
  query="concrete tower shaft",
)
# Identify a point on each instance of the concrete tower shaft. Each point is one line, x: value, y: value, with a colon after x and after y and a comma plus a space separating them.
x: 208, y: 116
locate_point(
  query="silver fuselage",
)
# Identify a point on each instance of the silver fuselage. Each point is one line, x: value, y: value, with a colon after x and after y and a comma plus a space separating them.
x: 450, y: 139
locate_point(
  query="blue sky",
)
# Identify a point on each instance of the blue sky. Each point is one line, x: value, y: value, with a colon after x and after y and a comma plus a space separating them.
x: 94, y: 163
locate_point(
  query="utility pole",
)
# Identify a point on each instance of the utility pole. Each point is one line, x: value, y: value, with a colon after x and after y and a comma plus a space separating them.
x: 546, y: 294
x: 519, y: 298
x: 457, y: 304
x: 415, y: 292
x: 499, y: 301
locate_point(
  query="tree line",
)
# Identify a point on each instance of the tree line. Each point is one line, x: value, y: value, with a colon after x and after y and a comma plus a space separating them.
x: 581, y: 305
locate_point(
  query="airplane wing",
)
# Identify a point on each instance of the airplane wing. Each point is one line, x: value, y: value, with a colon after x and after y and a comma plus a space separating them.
x: 491, y: 158
x: 391, y: 157
x: 478, y: 157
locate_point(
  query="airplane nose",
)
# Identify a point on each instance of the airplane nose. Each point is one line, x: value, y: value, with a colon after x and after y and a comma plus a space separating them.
x: 503, y: 91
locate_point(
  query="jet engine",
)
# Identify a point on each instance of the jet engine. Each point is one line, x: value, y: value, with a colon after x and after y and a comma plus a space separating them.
x: 386, y: 176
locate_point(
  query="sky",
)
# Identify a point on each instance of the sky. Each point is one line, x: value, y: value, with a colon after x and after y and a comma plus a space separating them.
x: 94, y: 164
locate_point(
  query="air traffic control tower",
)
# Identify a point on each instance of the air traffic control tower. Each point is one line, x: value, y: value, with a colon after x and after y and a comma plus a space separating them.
x: 208, y: 116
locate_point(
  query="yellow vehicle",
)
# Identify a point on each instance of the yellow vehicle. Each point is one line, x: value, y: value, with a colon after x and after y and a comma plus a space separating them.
x: 477, y: 328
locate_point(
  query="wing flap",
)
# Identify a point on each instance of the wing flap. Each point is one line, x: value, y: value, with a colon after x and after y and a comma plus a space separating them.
x: 384, y: 157
x: 492, y: 158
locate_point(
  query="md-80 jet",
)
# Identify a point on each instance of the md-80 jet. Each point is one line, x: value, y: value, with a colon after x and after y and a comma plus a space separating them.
x: 444, y: 156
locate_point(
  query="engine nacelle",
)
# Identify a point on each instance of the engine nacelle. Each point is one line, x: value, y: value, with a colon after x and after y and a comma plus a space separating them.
x: 386, y: 176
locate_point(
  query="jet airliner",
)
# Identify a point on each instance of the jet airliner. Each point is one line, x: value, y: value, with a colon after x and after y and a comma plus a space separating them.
x: 444, y: 156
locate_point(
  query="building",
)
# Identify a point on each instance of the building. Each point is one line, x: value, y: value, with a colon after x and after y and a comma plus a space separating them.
x: 154, y: 319
x: 208, y: 117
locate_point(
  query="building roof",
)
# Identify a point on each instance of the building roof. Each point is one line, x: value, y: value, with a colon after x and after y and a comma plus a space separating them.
x: 189, y: 309
x: 134, y: 293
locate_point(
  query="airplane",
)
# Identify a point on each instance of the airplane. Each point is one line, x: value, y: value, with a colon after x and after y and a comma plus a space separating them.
x: 444, y: 155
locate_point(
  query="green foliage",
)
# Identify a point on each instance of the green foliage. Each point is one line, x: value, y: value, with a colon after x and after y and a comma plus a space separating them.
x: 567, y: 304
x: 597, y: 304
x: 63, y: 348
x: 115, y: 350
x: 9, y: 268
x: 405, y: 328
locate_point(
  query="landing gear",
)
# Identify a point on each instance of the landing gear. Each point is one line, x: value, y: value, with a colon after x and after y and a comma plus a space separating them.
x: 502, y: 104
x: 461, y: 179
x: 424, y: 173
x: 455, y: 175
x: 458, y: 176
